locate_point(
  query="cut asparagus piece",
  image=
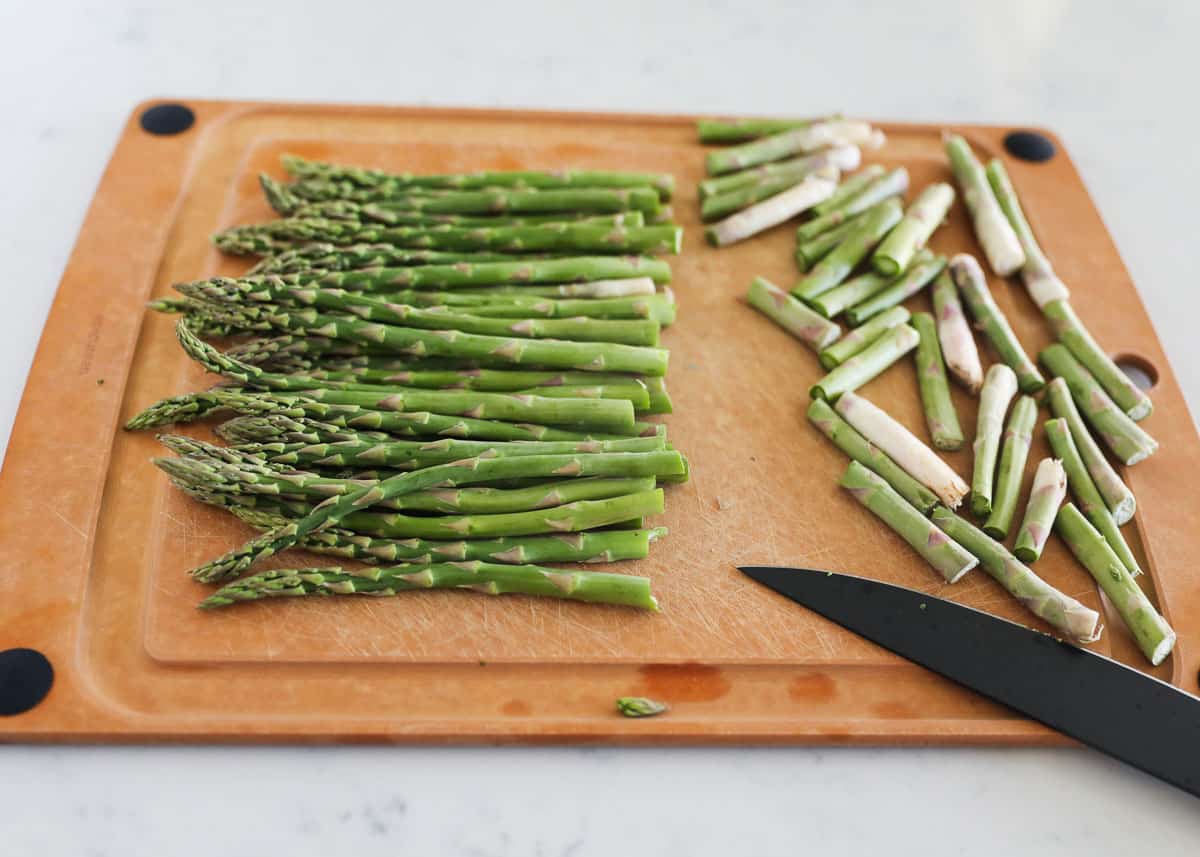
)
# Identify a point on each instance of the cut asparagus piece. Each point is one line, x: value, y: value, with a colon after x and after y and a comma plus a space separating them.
x: 904, y: 448
x: 1018, y: 435
x: 775, y: 210
x: 1066, y: 615
x: 1088, y: 496
x: 808, y: 253
x: 1150, y: 630
x: 999, y: 387
x: 892, y: 184
x: 1042, y: 284
x: 853, y: 291
x: 917, y: 277
x: 843, y: 158
x: 970, y: 279
x: 1048, y: 491
x: 798, y: 141
x: 740, y: 130
x: 853, y: 249
x: 940, y: 415
x: 954, y: 334
x: 992, y: 228
x: 1070, y: 331
x: 850, y: 187
x: 947, y: 557
x: 911, y: 234
x: 1128, y: 441
x: 866, y: 364
x: 1116, y: 494
x: 724, y: 204
x: 860, y: 337
x: 857, y: 447
x: 641, y: 706
x: 794, y: 317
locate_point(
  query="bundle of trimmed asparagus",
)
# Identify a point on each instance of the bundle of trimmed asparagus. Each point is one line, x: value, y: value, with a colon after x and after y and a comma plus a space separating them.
x: 892, y: 472
x: 445, y: 378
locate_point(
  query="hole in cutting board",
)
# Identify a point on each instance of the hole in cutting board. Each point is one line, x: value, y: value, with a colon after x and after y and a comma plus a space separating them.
x: 167, y: 119
x: 25, y: 678
x: 1029, y: 146
x: 1138, y: 369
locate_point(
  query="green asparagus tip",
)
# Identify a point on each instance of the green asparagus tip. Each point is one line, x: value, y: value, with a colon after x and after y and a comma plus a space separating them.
x: 640, y: 706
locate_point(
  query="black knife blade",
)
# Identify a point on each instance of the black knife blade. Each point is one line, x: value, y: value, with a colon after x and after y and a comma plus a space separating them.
x: 1151, y: 725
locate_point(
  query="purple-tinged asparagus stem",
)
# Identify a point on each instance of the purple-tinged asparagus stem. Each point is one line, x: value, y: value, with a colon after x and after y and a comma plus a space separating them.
x: 794, y: 317
x: 1018, y: 435
x: 915, y: 278
x: 1048, y: 491
x: 892, y: 184
x: 844, y: 158
x: 911, y: 234
x: 954, y: 334
x: 992, y: 228
x: 999, y: 387
x: 859, y: 338
x: 850, y: 187
x: 970, y: 279
x: 773, y: 211
x: 940, y: 416
x: 795, y: 142
x: 866, y: 364
x: 838, y: 264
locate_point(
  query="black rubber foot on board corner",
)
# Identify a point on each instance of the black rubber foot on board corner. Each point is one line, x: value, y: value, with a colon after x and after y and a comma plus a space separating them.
x: 1029, y: 146
x: 167, y: 119
x: 25, y: 678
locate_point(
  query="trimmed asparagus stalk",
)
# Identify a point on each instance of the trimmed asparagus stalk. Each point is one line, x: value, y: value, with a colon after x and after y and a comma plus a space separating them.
x: 999, y: 387
x: 1128, y: 441
x: 947, y: 557
x: 1088, y: 496
x: 860, y: 337
x: 1048, y: 491
x: 892, y: 184
x: 808, y: 253
x: 911, y: 234
x: 740, y: 130
x: 992, y: 228
x: 954, y: 334
x: 1018, y: 435
x: 1070, y: 331
x: 853, y: 291
x: 641, y: 706
x: 853, y: 249
x: 1042, y: 284
x: 904, y: 448
x: 791, y: 315
x: 1116, y: 494
x: 917, y: 277
x: 970, y: 279
x: 1067, y: 616
x: 773, y: 211
x: 849, y: 188
x: 724, y: 204
x: 866, y: 364
x: 844, y: 158
x: 798, y: 141
x: 940, y: 415
x: 1151, y: 631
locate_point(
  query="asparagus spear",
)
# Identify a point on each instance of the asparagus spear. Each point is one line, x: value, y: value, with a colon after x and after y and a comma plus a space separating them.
x: 657, y: 307
x: 892, y: 184
x: 494, y: 380
x: 773, y: 211
x: 1128, y: 441
x: 915, y: 278
x: 1151, y: 631
x: 940, y: 416
x: 791, y: 315
x: 576, y: 269
x: 900, y: 445
x: 1042, y: 284
x: 1116, y: 494
x: 853, y: 249
x: 1071, y: 332
x: 1086, y: 493
x: 1062, y: 612
x: 849, y: 188
x: 992, y: 228
x: 798, y: 141
x: 954, y: 334
x: 849, y: 441
x: 927, y: 211
x: 640, y: 706
x: 594, y: 289
x: 999, y: 387
x: 853, y: 291
x: 866, y: 364
x: 1018, y: 435
x: 969, y: 278
x: 739, y: 130
x: 843, y: 158
x: 488, y: 578
x: 860, y: 337
x: 808, y: 253
x: 1046, y: 495
x: 330, y: 257
x: 947, y: 557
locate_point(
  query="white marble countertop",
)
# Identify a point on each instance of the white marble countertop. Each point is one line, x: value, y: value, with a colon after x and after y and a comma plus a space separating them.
x: 1115, y: 82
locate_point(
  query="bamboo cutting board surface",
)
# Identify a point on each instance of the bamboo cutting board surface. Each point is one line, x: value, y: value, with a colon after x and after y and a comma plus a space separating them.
x: 93, y: 570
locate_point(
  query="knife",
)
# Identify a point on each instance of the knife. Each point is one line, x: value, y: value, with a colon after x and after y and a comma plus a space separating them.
x: 1105, y: 704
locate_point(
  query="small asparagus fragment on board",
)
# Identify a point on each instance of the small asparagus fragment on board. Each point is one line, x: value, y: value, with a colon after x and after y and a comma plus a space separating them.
x: 1018, y: 435
x: 904, y: 448
x: 844, y: 158
x: 850, y: 187
x: 892, y: 184
x: 853, y: 444
x: 773, y: 211
x: 866, y: 364
x: 1080, y: 484
x: 1070, y: 618
x: 794, y: 317
x: 1042, y: 284
x: 860, y: 337
x: 916, y: 277
x: 798, y: 141
x: 1151, y: 631
x: 641, y: 706
x: 954, y: 334
x: 970, y: 279
x: 1127, y: 440
x: 999, y: 387
x: 949, y: 558
x: 992, y: 228
x: 940, y: 415
x: 853, y: 249
x: 923, y: 216
x: 1048, y: 491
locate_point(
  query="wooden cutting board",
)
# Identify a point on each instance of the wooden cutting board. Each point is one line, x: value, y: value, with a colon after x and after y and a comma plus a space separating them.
x: 96, y: 544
